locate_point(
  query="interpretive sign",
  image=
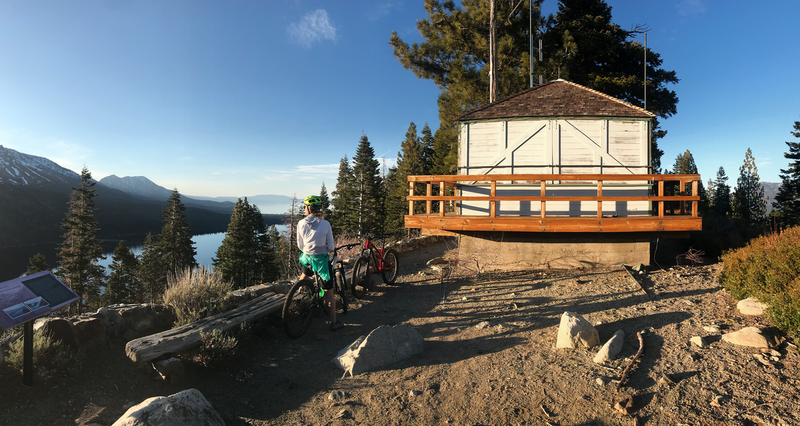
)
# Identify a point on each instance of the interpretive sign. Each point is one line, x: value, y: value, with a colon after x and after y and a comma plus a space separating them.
x: 25, y: 298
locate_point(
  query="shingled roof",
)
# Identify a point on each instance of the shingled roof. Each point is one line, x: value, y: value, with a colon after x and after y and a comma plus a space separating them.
x: 558, y: 98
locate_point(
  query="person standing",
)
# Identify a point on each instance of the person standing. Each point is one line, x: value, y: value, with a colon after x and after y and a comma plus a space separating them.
x: 315, y: 240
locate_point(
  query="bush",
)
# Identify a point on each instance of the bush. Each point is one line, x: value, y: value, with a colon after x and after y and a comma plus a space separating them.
x: 196, y: 294
x: 768, y: 268
x: 49, y: 357
x: 215, y: 347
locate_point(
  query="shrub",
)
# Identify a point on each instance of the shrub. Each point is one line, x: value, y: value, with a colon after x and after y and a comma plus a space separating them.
x: 196, y: 294
x: 768, y: 269
x: 49, y: 357
x: 215, y: 347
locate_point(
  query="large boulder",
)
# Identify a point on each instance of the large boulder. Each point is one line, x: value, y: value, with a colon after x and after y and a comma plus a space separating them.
x: 748, y: 336
x: 58, y: 329
x: 751, y: 306
x: 185, y: 408
x: 575, y: 332
x: 383, y: 346
x: 90, y: 331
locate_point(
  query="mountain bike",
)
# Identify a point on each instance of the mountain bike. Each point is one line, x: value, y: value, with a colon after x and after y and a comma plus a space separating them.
x: 306, y: 298
x: 373, y: 259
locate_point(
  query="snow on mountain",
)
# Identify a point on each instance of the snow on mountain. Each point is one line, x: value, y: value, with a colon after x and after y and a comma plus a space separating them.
x: 136, y: 185
x: 17, y: 168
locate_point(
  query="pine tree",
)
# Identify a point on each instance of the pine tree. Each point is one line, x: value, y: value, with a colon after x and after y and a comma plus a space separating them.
x: 749, y: 204
x: 410, y: 162
x: 343, y: 217
x: 37, y: 264
x: 685, y: 165
x: 175, y: 241
x: 326, y: 201
x: 152, y: 272
x: 721, y: 206
x: 426, y: 140
x: 787, y: 200
x: 123, y: 281
x: 367, y: 189
x: 246, y: 256
x: 81, y: 250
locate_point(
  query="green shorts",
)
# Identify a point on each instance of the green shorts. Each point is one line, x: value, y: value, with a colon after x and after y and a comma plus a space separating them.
x: 319, y: 264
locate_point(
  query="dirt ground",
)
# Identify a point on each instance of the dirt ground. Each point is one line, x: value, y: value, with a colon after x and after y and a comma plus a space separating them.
x: 506, y: 373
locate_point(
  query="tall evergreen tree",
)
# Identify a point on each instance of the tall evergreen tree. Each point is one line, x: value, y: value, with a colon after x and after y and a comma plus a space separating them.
x: 749, y: 204
x: 426, y: 140
x: 123, y: 281
x: 721, y: 206
x: 245, y: 256
x: 410, y: 161
x: 787, y: 200
x: 344, y: 213
x: 581, y: 43
x: 326, y: 201
x: 37, y: 264
x: 80, y: 251
x: 152, y: 272
x: 367, y: 189
x: 175, y: 241
x: 684, y: 164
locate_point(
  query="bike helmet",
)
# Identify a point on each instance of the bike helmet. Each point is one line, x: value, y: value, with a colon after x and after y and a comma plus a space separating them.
x: 313, y: 201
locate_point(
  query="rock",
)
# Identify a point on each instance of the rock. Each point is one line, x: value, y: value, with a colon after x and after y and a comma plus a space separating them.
x: 90, y: 331
x: 188, y: 407
x: 699, y: 341
x: 414, y: 393
x: 711, y: 328
x: 751, y: 306
x: 170, y: 369
x: 574, y: 331
x: 611, y: 349
x: 602, y: 381
x: 383, y: 346
x: 58, y: 329
x: 131, y: 335
x: 481, y: 325
x: 718, y: 400
x: 748, y: 336
x: 640, y: 268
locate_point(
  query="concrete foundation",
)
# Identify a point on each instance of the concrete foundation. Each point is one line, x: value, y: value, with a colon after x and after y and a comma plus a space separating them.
x: 517, y: 250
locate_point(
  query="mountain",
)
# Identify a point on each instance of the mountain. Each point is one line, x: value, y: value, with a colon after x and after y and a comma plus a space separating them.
x: 35, y: 194
x: 770, y: 191
x: 143, y: 187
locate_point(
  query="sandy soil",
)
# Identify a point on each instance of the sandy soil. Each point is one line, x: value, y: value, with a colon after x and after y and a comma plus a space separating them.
x: 507, y: 373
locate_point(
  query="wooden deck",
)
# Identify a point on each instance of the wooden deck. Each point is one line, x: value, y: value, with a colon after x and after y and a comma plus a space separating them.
x: 671, y: 210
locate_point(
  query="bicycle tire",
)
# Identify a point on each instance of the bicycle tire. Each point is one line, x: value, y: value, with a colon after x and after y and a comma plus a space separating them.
x: 299, y: 309
x: 360, y: 280
x: 389, y: 273
x: 341, y: 289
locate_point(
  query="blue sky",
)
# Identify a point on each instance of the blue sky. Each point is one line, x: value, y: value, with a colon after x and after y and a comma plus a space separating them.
x: 265, y: 97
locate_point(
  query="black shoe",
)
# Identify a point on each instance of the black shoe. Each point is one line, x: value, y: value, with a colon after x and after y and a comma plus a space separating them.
x: 336, y: 325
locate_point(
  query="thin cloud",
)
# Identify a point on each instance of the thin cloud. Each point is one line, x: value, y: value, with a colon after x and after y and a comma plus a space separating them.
x: 313, y: 27
x: 691, y: 7
x: 380, y: 11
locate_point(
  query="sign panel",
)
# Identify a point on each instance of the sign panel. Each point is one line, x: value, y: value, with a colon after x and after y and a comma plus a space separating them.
x: 25, y: 298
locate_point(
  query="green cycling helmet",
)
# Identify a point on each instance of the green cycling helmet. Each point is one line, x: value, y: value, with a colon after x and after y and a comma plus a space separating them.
x: 313, y: 200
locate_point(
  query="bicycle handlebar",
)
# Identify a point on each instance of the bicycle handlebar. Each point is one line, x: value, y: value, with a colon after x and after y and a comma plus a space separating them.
x: 347, y: 246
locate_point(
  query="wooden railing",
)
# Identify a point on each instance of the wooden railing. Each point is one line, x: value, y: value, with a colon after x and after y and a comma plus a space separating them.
x: 666, y: 194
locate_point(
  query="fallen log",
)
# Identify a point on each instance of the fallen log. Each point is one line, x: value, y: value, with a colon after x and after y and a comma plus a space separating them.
x: 187, y: 337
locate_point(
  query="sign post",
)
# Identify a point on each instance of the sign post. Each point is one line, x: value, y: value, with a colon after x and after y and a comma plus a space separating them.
x: 24, y: 299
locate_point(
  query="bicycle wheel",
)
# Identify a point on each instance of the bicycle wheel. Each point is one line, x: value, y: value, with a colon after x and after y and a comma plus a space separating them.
x: 299, y: 308
x: 341, y: 289
x: 389, y: 266
x: 360, y: 281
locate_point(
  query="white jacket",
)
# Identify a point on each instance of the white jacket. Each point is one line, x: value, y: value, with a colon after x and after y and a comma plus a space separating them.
x: 314, y: 235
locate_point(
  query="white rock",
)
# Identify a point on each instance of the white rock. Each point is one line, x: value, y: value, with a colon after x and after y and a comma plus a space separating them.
x: 751, y: 306
x: 748, y: 336
x: 574, y: 331
x: 699, y: 341
x: 187, y: 407
x: 711, y: 328
x: 611, y: 348
x: 383, y: 346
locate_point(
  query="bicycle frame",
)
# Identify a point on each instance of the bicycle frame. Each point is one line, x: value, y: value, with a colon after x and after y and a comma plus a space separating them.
x: 376, y: 256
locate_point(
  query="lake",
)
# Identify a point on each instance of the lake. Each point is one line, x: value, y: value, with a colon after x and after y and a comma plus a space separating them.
x: 14, y: 261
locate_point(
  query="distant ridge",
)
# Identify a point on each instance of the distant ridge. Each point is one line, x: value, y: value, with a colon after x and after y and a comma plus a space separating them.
x: 136, y: 185
x: 17, y: 168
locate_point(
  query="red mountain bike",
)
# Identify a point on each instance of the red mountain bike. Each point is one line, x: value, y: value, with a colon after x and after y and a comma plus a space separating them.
x: 373, y: 260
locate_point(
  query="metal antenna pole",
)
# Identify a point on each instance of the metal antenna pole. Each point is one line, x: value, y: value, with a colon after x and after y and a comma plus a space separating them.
x: 530, y: 34
x: 645, y: 70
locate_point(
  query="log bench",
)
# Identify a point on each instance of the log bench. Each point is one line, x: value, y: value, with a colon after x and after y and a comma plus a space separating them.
x: 187, y: 337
